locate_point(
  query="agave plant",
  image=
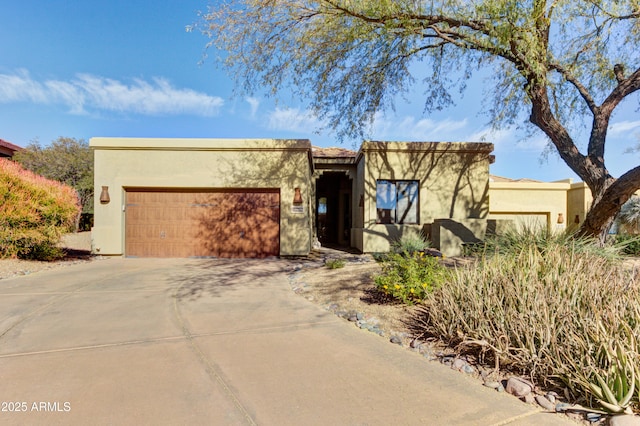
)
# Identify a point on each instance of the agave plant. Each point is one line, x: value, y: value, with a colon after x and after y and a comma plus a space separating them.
x: 615, y: 387
x: 629, y: 217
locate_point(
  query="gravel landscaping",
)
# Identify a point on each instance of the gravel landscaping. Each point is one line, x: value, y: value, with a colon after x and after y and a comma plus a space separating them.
x: 77, y: 247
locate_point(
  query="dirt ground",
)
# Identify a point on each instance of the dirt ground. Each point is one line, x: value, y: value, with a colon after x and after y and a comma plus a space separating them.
x: 77, y: 246
x: 352, y: 289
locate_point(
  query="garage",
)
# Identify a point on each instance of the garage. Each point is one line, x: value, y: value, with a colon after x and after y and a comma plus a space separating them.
x: 202, y: 197
x: 228, y: 223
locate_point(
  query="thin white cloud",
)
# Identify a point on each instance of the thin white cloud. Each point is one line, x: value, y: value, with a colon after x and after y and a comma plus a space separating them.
x: 293, y: 120
x: 408, y: 128
x: 497, y: 137
x: 623, y: 127
x: 507, y: 140
x: 254, y: 103
x: 88, y: 93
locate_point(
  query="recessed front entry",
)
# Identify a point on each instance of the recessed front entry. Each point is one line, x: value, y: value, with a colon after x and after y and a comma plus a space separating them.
x: 194, y: 223
x: 333, y: 208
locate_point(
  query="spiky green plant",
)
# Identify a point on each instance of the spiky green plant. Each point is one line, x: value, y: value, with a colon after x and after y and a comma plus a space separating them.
x: 628, y: 219
x: 335, y: 263
x: 553, y: 310
x: 410, y: 242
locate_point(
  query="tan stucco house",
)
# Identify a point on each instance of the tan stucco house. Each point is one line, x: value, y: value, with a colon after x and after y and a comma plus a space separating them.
x: 259, y: 198
x: 526, y: 203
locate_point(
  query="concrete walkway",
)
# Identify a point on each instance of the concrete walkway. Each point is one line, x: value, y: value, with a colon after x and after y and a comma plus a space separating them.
x: 213, y: 342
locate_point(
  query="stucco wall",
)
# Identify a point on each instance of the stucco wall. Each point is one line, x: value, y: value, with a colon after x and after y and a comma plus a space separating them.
x: 579, y: 201
x: 453, y: 183
x: 530, y: 204
x: 122, y: 163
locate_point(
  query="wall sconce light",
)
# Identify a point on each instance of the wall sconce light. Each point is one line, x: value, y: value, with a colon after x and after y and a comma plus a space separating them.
x: 577, y: 219
x: 104, y: 195
x: 297, y: 197
x: 560, y: 218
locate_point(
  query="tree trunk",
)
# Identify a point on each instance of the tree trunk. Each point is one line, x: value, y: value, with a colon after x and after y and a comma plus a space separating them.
x: 607, y: 201
x: 609, y: 193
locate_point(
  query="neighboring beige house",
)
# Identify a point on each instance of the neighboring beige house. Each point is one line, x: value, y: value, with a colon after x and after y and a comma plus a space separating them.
x: 529, y: 203
x: 259, y: 198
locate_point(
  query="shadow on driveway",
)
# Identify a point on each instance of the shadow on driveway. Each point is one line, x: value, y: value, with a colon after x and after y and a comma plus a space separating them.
x: 216, y: 277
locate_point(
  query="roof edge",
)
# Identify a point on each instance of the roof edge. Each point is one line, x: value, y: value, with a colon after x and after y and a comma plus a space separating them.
x: 199, y: 144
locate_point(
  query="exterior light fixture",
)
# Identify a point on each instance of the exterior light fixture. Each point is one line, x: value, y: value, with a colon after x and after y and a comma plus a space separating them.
x: 104, y: 195
x: 560, y: 218
x: 297, y: 197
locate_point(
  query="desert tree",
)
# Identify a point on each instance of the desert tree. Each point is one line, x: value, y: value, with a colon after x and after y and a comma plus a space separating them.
x: 563, y: 66
x: 66, y: 160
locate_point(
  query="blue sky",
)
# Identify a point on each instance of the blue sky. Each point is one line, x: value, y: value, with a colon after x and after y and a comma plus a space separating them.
x: 128, y: 68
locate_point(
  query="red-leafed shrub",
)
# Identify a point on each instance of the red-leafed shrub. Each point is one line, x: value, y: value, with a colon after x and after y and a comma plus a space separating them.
x: 34, y: 213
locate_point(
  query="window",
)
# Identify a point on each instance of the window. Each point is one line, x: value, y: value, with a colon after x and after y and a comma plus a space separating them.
x: 397, y: 201
x: 322, y: 205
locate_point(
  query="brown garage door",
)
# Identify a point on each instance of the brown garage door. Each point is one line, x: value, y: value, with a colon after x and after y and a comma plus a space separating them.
x: 237, y: 223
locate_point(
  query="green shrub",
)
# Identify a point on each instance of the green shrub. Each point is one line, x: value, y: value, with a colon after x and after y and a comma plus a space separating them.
x: 410, y: 277
x: 630, y: 244
x: 335, y: 263
x: 551, y: 310
x: 410, y: 242
x: 34, y: 213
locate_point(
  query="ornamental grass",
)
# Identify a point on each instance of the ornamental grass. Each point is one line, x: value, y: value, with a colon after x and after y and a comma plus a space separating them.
x: 559, y: 310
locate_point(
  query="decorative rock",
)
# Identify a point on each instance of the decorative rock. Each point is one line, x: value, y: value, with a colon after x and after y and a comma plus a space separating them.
x: 428, y: 353
x: 430, y: 356
x: 518, y: 387
x: 373, y: 320
x: 359, y: 316
x: 432, y: 252
x: 545, y: 403
x: 447, y: 359
x: 494, y: 385
x: 529, y: 398
x: 624, y: 420
x: 551, y: 396
x: 467, y: 369
x: 594, y: 417
x: 396, y: 340
x: 352, y: 318
x: 562, y: 406
x: 458, y: 364
x: 415, y: 344
x: 333, y: 307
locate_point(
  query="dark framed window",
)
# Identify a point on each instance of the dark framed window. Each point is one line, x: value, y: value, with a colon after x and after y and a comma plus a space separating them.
x: 397, y: 201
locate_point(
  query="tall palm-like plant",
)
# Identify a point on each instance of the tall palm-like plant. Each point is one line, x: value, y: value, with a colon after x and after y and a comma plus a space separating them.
x: 629, y: 217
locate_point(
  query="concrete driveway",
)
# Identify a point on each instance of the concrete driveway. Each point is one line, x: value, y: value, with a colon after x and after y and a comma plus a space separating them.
x: 213, y: 342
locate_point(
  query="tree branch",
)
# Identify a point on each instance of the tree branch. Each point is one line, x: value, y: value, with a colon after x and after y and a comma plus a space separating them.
x: 582, y: 90
x: 625, y: 87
